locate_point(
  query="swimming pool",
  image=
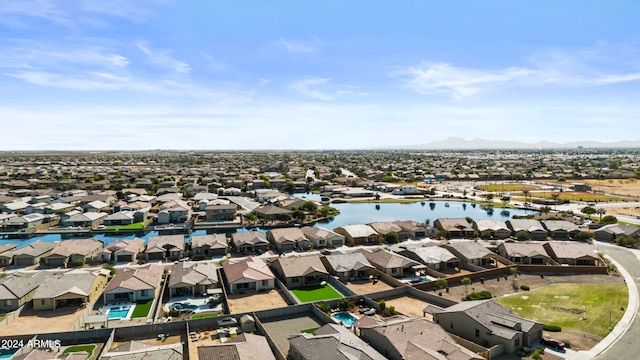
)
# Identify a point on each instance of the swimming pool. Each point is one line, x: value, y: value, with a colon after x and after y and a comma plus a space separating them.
x: 119, y: 312
x: 185, y: 307
x: 345, y: 317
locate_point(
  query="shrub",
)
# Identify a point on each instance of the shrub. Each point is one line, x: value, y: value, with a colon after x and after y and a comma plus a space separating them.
x: 392, y: 310
x: 524, y: 287
x: 479, y: 295
x: 382, y: 305
x: 325, y: 308
x: 537, y: 354
x: 522, y: 236
x: 583, y: 235
x: 552, y: 328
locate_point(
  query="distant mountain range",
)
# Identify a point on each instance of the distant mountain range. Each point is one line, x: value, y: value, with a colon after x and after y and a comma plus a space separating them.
x: 455, y: 143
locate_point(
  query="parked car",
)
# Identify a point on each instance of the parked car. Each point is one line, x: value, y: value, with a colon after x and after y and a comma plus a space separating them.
x: 557, y: 344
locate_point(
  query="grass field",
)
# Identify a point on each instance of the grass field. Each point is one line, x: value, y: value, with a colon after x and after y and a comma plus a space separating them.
x: 507, y: 187
x: 142, y: 309
x: 579, y: 196
x: 79, y: 348
x: 316, y: 293
x: 203, y: 316
x: 564, y: 305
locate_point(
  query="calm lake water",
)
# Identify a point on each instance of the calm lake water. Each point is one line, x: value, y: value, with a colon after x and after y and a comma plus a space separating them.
x: 351, y: 214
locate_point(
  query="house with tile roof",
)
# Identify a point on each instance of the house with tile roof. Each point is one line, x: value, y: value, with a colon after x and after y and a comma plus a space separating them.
x: 455, y: 227
x: 165, y: 247
x: 359, y: 234
x: 76, y: 288
x: 534, y: 228
x: 497, y: 228
x: 288, y: 239
x: 174, y: 211
x: 470, y: 252
x: 351, y: 266
x: 248, y: 274
x: 245, y: 346
x: 18, y: 288
x: 561, y: 229
x: 209, y: 245
x: 321, y: 237
x: 250, y: 242
x: 331, y: 342
x: 416, y: 230
x: 524, y: 252
x: 385, y: 227
x: 572, y: 253
x: 300, y: 271
x: 133, y: 284
x: 192, y: 278
x: 88, y: 219
x: 6, y: 254
x: 401, y: 338
x: 434, y: 257
x: 73, y: 252
x: 390, y: 263
x: 611, y: 231
x: 489, y: 324
x: 32, y: 254
x: 122, y: 250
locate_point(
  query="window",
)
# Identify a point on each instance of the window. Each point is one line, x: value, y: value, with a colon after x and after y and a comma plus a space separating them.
x: 477, y: 332
x: 516, y: 342
x: 265, y: 282
x: 295, y: 279
x: 43, y: 302
x: 394, y: 271
x: 7, y: 302
x: 144, y: 293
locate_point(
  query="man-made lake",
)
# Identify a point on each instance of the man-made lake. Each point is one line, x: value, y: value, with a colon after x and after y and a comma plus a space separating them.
x: 351, y: 214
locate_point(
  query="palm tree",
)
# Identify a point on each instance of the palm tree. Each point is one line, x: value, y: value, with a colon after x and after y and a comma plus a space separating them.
x: 526, y: 194
x: 555, y: 198
x: 601, y: 211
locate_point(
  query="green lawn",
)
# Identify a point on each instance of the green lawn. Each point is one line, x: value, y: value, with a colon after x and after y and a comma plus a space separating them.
x: 79, y: 348
x: 134, y: 226
x: 316, y: 293
x: 507, y: 187
x: 203, y: 316
x: 564, y: 304
x: 142, y: 309
x: 310, y: 331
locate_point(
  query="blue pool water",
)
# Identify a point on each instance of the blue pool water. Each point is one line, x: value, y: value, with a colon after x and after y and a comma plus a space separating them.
x: 346, y: 318
x: 182, y: 306
x: 118, y: 313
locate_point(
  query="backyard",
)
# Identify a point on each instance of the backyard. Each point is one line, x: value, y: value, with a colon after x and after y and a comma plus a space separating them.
x: 142, y: 309
x: 592, y: 308
x: 316, y: 293
x: 80, y: 348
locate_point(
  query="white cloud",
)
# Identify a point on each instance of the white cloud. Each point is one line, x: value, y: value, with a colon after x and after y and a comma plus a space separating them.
x: 319, y: 88
x: 162, y: 58
x: 68, y: 14
x: 546, y: 68
x: 298, y: 46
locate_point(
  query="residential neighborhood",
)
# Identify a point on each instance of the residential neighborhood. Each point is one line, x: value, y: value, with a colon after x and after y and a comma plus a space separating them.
x: 201, y: 262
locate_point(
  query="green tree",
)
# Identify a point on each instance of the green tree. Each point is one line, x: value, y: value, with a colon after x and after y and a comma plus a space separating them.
x: 309, y: 206
x: 489, y: 197
x: 442, y: 283
x: 505, y: 199
x: 392, y: 237
x: 588, y: 210
x: 601, y: 211
x: 609, y: 219
x: 545, y: 209
x: 522, y: 236
x: 284, y: 217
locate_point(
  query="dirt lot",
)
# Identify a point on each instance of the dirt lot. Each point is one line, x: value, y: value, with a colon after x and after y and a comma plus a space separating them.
x: 241, y: 303
x: 578, y: 340
x: 407, y: 305
x: 38, y: 322
x: 367, y: 287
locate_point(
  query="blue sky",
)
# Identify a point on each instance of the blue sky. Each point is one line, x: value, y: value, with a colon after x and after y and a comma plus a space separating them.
x: 129, y: 75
